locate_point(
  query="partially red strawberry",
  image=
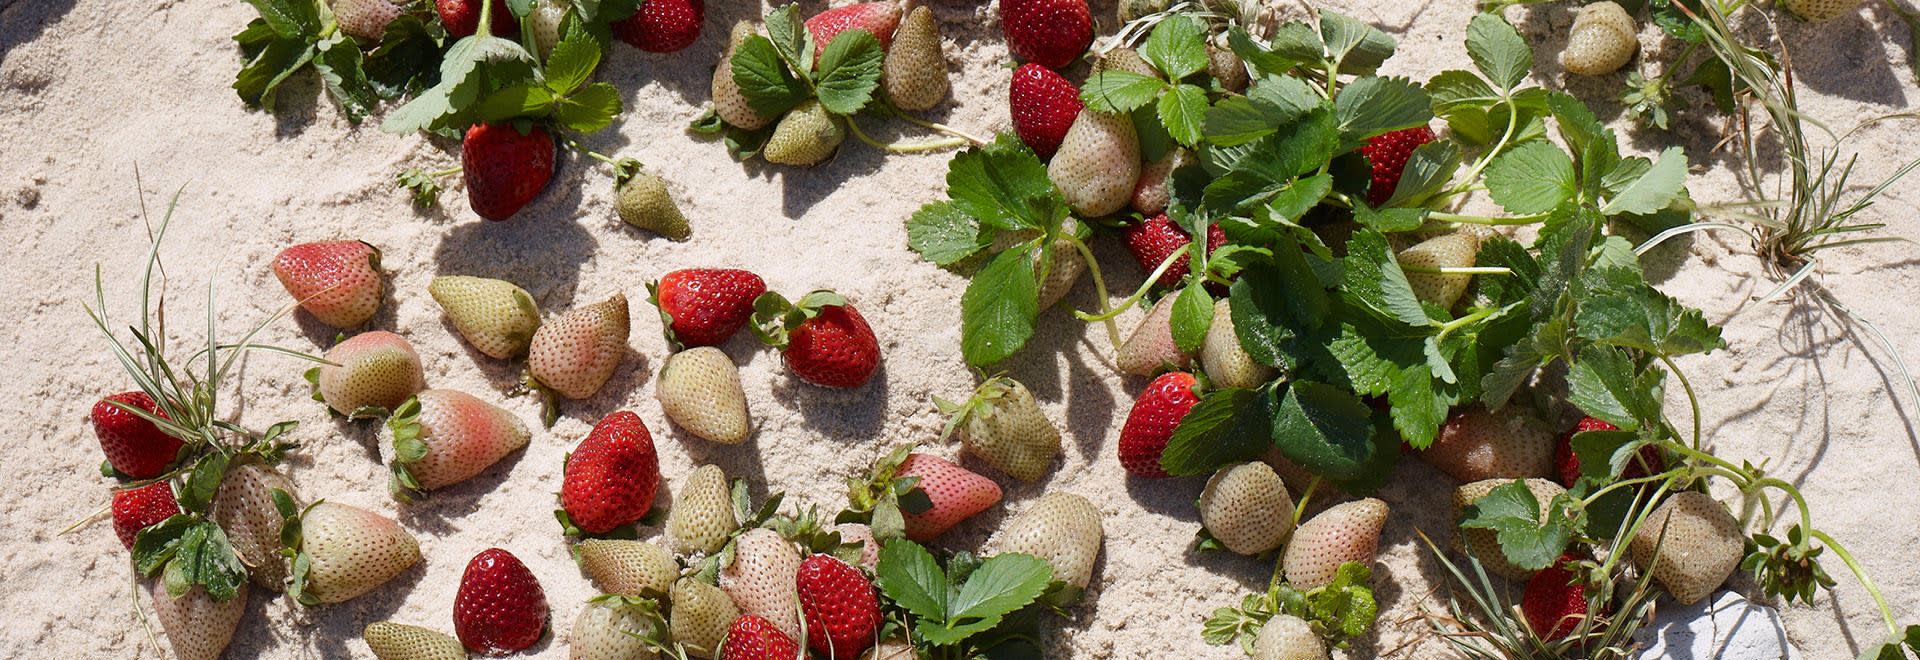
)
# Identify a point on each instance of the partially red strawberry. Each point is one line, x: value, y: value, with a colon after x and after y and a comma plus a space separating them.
x: 662, y: 26
x: 573, y: 354
x: 1151, y: 422
x: 1043, y: 104
x: 1155, y: 239
x: 821, y: 337
x: 134, y: 446
x: 840, y: 607
x: 1568, y: 463
x: 705, y: 306
x: 444, y: 437
x: 610, y: 478
x: 1051, y: 33
x: 879, y: 19
x: 1346, y: 532
x: 753, y: 638
x: 956, y: 492
x: 1388, y: 153
x: 338, y: 282
x: 500, y: 608
x: 462, y: 18
x: 504, y: 168
x: 136, y: 509
x: 1555, y: 600
x: 761, y: 579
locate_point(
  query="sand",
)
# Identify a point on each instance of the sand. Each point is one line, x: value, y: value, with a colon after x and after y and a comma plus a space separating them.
x: 93, y: 90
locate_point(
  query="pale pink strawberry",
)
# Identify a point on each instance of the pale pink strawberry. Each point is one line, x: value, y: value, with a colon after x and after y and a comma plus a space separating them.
x: 1288, y: 637
x: 1151, y: 348
x: 244, y: 509
x: 879, y: 19
x: 1343, y: 533
x: 1150, y: 194
x: 349, y: 551
x: 444, y: 437
x: 198, y: 627
x: 761, y: 579
x: 957, y: 494
x: 1062, y: 528
x: 575, y: 353
x: 728, y: 101
x: 377, y: 371
x: 338, y: 282
x: 1476, y: 444
x: 1098, y: 164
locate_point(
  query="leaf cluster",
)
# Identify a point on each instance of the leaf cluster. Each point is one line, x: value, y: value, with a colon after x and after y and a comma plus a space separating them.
x: 778, y: 71
x: 969, y: 607
x: 1339, y: 612
x: 292, y: 35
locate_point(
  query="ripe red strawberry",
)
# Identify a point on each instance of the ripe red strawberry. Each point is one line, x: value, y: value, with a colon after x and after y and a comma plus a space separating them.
x: 444, y: 437
x: 705, y: 306
x: 1043, y: 104
x: 134, y: 446
x: 1051, y: 33
x: 338, y: 282
x: 377, y: 371
x: 462, y: 18
x: 822, y: 338
x: 139, y: 508
x: 879, y: 19
x: 1647, y: 462
x: 753, y: 638
x: 1388, y: 153
x: 957, y: 494
x: 1151, y: 422
x: 503, y: 168
x: 840, y: 607
x: 500, y: 608
x: 611, y: 477
x: 662, y: 26
x: 1555, y: 600
x: 1154, y: 239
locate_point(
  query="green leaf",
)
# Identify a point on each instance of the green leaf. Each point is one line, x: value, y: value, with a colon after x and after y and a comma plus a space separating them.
x: 1529, y: 540
x: 1276, y: 305
x: 474, y: 66
x: 1375, y: 282
x: 1358, y: 47
x: 1000, y: 585
x: 1430, y: 166
x: 790, y: 40
x: 945, y: 235
x: 1182, y: 111
x: 1298, y: 42
x: 1345, y: 607
x: 1329, y: 431
x: 910, y: 577
x: 1373, y: 105
x: 998, y: 309
x: 1237, y: 120
x: 1176, y: 47
x: 528, y: 101
x: 849, y: 71
x: 1498, y: 51
x: 1192, y: 314
x: 589, y: 109
x: 1655, y: 189
x: 339, y: 64
x: 407, y: 59
x: 291, y: 19
x: 262, y: 75
x: 1120, y: 91
x: 1264, y: 61
x: 1005, y: 185
x: 1625, y: 311
x: 1531, y: 178
x: 571, y: 63
x: 1294, y: 149
x: 1606, y: 384
x: 1226, y: 426
x: 1598, y: 451
x: 1451, y: 91
x: 770, y: 87
x: 203, y: 483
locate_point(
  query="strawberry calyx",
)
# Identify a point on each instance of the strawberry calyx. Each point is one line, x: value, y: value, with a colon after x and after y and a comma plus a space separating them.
x: 291, y: 546
x: 407, y: 449
x: 674, y: 345
x: 881, y: 500
x: 775, y: 318
x: 980, y: 406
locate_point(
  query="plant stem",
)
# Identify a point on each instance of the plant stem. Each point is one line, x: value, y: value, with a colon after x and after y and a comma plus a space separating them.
x: 1691, y: 399
x: 944, y: 129
x: 1099, y: 288
x: 1473, y: 175
x: 1444, y: 216
x: 1152, y: 278
x: 595, y: 154
x: 1859, y: 573
x: 903, y: 148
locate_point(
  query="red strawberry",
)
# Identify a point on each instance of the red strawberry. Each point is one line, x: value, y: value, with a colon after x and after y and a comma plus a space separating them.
x: 1569, y: 462
x: 1150, y: 424
x: 1154, y: 239
x: 462, y: 18
x: 504, y: 169
x: 879, y: 19
x: 1044, y: 105
x: 753, y: 638
x: 500, y: 608
x: 705, y: 306
x: 134, y: 446
x: 1555, y: 599
x: 822, y: 338
x: 1388, y: 152
x: 610, y: 478
x: 662, y: 26
x: 139, y: 508
x: 1051, y: 33
x: 842, y: 612
x: 338, y: 282
x: 957, y: 493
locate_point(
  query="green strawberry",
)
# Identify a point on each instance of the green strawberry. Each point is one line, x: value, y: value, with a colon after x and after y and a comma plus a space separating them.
x: 399, y: 641
x: 632, y: 568
x: 701, y: 614
x: 1226, y: 361
x: 495, y: 316
x: 1003, y: 424
x: 377, y: 372
x: 615, y: 628
x: 915, y: 70
x: 702, y: 518
x: 699, y: 389
x: 808, y: 134
x: 344, y: 551
x: 642, y: 200
x: 1454, y: 250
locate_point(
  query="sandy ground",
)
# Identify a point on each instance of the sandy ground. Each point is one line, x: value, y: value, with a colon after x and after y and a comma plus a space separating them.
x: 92, y: 89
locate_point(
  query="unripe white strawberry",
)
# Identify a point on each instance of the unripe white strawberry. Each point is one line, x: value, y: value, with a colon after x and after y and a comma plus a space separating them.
x: 1690, y: 544
x: 399, y: 641
x: 1475, y: 444
x: 1151, y: 348
x: 728, y: 101
x: 1062, y: 273
x: 891, y: 648
x: 1227, y: 68
x: 349, y: 551
x: 1603, y: 38
x: 495, y: 316
x: 611, y: 629
x: 1126, y: 59
x: 1819, y: 11
x: 1226, y: 361
x: 1484, y: 544
x: 762, y: 579
x: 244, y: 508
x: 366, y: 20
x: 1150, y: 194
x: 444, y: 437
x: 1287, y: 637
x: 1098, y: 163
x: 807, y: 134
x: 575, y: 353
x: 1455, y: 250
x: 546, y: 18
x: 702, y: 514
x: 701, y: 613
x: 633, y: 568
x: 1348, y: 532
x: 1003, y: 425
x: 198, y: 628
x: 378, y: 371
x: 862, y: 534
x: 1062, y: 528
x: 1246, y: 508
x: 699, y: 389
x: 915, y: 70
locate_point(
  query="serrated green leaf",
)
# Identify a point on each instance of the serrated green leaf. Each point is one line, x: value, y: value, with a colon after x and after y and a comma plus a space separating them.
x: 1375, y: 282
x: 339, y: 64
x: 1176, y: 47
x: 1626, y: 311
x: 1529, y: 540
x: 1498, y: 51
x: 997, y: 587
x: 1372, y: 105
x: 769, y: 86
x: 1192, y: 314
x: 515, y: 102
x: 262, y: 75
x: 1358, y: 47
x: 1605, y: 383
x: 945, y: 235
x: 910, y: 577
x: 1226, y: 426
x: 1661, y: 185
x: 589, y: 109
x: 849, y: 71
x: 571, y: 63
x: 1328, y: 431
x: 1264, y: 61
x: 1531, y: 178
x: 790, y: 40
x: 1451, y: 91
x: 1182, y: 111
x: 1345, y: 607
x: 1120, y: 91
x: 291, y: 19
x: 998, y: 309
x: 1004, y: 185
x: 1430, y: 166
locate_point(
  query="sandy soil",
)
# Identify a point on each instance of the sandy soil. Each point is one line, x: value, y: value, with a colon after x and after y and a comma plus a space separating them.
x: 90, y: 90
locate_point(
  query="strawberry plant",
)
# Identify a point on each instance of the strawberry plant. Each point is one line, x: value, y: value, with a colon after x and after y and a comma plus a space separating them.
x: 362, y: 57
x: 969, y: 606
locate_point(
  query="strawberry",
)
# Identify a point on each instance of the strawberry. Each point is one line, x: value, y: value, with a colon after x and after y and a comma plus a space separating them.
x: 1044, y: 105
x: 1150, y: 348
x: 348, y: 551
x: 700, y: 615
x: 615, y: 628
x: 495, y: 316
x: 807, y: 134
x: 1819, y: 11
x: 135, y: 509
x: 1151, y: 422
x: 1227, y: 363
x: 377, y: 372
x: 1484, y: 544
x: 728, y: 102
x: 500, y: 607
x: 862, y: 534
x: 444, y: 437
x: 705, y: 306
x: 753, y: 638
x: 1061, y: 272
x: 891, y: 648
x: 1062, y: 528
x: 662, y: 26
x: 631, y: 568
x: 1227, y: 69
x: 365, y: 20
x: 399, y: 641
x: 462, y: 18
x: 1475, y: 444
x: 1602, y: 39
x: 1388, y: 153
x: 1455, y: 250
x: 822, y: 338
x: 545, y: 18
x: 879, y: 19
x: 840, y: 606
x: 1342, y: 533
x: 1288, y: 637
x: 134, y: 446
x: 702, y: 517
x: 1690, y: 544
x: 504, y: 167
x: 1646, y: 462
x: 956, y: 492
x: 198, y: 627
x: 609, y: 480
x: 915, y: 70
x: 244, y: 508
x: 761, y: 581
x: 1153, y: 240
x: 1246, y: 508
x: 573, y: 354
x: 1556, y: 599
x: 1003, y: 425
x: 641, y: 199
x: 1098, y: 163
x: 1125, y: 59
x: 699, y: 389
x: 1150, y: 195
x: 1051, y: 33
x: 338, y: 282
